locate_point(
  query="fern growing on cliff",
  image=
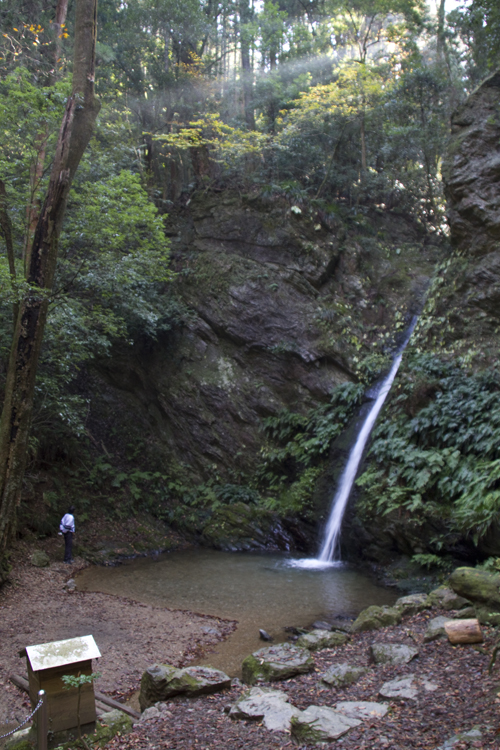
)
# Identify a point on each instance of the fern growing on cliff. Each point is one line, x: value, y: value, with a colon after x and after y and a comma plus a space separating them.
x: 437, y: 456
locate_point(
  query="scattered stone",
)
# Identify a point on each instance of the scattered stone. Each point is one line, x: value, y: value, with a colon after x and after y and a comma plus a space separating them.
x: 24, y: 739
x: 402, y: 688
x: 318, y: 639
x: 470, y: 736
x: 40, y: 559
x: 362, y: 709
x: 70, y: 586
x: 412, y: 604
x: 110, y: 724
x: 435, y: 628
x: 321, y: 724
x: 477, y: 586
x: 375, y: 617
x: 392, y: 653
x: 162, y: 681
x: 446, y: 598
x: 464, y: 613
x: 264, y: 635
x: 342, y: 623
x: 406, y: 688
x: 150, y: 713
x: 486, y: 616
x: 211, y: 631
x: 267, y: 705
x: 276, y: 663
x: 341, y: 675
x: 321, y: 625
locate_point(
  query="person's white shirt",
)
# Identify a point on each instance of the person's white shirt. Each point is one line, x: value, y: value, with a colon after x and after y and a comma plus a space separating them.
x: 67, y: 523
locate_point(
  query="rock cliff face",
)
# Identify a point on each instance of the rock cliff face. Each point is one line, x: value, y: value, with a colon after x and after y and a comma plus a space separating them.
x: 470, y: 295
x: 280, y: 309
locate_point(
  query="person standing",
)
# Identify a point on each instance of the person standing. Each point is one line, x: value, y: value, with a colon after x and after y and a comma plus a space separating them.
x: 67, y: 528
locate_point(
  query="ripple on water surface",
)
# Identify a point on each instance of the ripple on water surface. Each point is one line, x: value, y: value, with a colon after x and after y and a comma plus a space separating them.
x: 268, y: 591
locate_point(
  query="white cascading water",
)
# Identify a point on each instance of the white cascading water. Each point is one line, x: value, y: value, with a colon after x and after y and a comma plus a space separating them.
x: 330, y: 548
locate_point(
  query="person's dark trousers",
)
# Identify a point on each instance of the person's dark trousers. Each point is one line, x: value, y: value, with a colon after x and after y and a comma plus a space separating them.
x: 68, y: 546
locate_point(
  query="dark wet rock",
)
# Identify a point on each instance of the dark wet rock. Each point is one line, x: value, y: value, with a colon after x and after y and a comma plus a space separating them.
x: 319, y: 724
x: 266, y: 705
x: 276, y: 663
x: 318, y: 639
x: 341, y: 675
x: 375, y: 617
x: 264, y: 635
x: 392, y: 653
x: 163, y: 681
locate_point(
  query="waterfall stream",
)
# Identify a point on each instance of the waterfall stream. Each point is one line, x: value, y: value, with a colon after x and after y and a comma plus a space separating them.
x: 330, y: 548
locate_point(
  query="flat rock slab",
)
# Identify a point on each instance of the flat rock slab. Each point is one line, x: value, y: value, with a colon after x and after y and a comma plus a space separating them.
x: 392, y: 653
x: 321, y: 724
x: 363, y: 710
x: 435, y: 628
x: 163, y: 681
x: 406, y: 688
x: 266, y: 705
x: 412, y: 603
x: 276, y: 663
x: 318, y: 639
x: 341, y: 675
x: 375, y: 617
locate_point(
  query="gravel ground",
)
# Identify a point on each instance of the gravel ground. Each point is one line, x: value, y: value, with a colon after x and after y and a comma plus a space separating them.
x: 466, y: 696
x: 36, y: 608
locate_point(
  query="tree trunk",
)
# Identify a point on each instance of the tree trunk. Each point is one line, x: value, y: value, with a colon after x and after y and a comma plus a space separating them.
x: 76, y: 128
x: 246, y: 68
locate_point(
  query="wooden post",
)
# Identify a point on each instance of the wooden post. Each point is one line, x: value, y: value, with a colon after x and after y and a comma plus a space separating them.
x: 42, y: 722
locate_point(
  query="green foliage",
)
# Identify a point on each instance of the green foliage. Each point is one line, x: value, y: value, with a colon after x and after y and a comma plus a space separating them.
x: 431, y: 561
x: 437, y: 455
x: 297, y: 442
x: 78, y: 681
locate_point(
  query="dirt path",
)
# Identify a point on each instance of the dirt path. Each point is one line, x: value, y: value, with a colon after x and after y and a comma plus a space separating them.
x: 36, y: 607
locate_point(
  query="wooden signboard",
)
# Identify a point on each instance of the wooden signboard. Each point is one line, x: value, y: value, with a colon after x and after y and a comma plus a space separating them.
x: 47, y: 664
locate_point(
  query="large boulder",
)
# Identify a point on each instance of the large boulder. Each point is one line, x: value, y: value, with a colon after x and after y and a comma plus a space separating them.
x: 365, y: 710
x: 276, y: 663
x: 163, y: 681
x: 266, y: 705
x: 477, y: 585
x: 375, y: 617
x: 318, y: 639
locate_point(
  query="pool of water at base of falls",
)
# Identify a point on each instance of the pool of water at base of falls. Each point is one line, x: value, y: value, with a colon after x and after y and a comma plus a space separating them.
x: 268, y: 591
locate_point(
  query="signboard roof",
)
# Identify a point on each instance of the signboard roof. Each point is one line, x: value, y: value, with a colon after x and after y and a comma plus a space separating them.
x: 58, y: 653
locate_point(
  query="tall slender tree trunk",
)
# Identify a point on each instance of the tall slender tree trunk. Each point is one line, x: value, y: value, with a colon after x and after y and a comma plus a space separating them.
x: 246, y: 67
x: 76, y: 129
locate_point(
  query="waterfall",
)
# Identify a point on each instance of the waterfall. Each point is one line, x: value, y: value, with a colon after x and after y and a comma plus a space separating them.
x: 330, y: 548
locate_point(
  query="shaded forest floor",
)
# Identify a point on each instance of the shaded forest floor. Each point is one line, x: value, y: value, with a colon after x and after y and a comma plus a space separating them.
x: 36, y: 607
x: 466, y: 697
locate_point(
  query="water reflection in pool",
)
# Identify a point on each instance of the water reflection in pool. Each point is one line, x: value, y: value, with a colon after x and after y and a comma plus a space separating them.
x: 266, y: 591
